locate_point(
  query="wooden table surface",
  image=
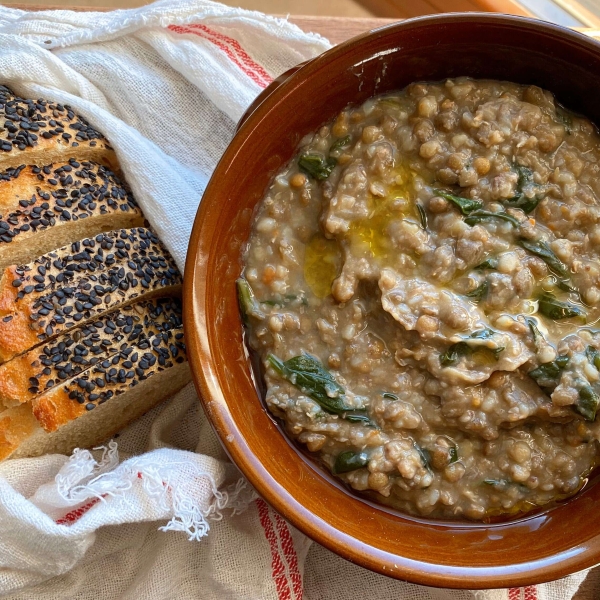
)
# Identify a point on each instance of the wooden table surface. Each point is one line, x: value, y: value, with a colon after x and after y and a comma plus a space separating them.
x: 336, y: 30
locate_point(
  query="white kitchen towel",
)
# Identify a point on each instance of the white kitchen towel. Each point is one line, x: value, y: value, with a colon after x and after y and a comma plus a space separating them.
x: 160, y: 513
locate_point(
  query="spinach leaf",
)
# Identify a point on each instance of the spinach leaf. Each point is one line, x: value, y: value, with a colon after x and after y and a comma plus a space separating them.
x: 556, y: 310
x: 520, y: 200
x: 499, y: 483
x: 390, y: 395
x: 593, y: 356
x: 525, y: 176
x: 532, y: 323
x: 490, y: 263
x: 465, y: 205
x: 354, y: 418
x: 424, y: 455
x: 479, y: 292
x: 455, y: 353
x: 527, y: 205
x: 316, y: 165
x: 482, y: 334
x: 477, y: 216
x: 249, y: 306
x: 548, y: 374
x: 311, y: 378
x: 542, y: 250
x: 349, y: 461
x: 587, y: 403
x: 422, y: 215
x: 453, y: 451
x: 341, y: 143
x: 565, y: 118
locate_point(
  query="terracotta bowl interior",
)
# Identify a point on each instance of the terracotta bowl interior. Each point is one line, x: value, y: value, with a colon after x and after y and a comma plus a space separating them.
x: 550, y: 545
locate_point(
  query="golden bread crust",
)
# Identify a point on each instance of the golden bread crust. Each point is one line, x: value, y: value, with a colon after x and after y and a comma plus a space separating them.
x: 101, y: 384
x: 50, y: 364
x: 79, y: 282
x: 37, y: 132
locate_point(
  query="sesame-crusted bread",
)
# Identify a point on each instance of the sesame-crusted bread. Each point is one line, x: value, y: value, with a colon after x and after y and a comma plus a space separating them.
x: 90, y: 316
x: 42, y: 208
x: 39, y: 132
x: 90, y: 407
x: 71, y: 353
x: 75, y: 284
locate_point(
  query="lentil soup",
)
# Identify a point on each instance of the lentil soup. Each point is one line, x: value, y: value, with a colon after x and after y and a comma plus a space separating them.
x: 422, y: 287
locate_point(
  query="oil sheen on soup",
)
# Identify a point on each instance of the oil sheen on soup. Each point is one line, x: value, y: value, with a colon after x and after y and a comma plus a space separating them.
x: 422, y: 287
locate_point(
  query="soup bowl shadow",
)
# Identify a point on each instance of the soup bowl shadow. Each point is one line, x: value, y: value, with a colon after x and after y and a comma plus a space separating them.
x: 551, y: 544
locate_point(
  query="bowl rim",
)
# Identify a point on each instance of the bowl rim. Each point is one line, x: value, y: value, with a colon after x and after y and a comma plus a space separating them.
x: 215, y: 405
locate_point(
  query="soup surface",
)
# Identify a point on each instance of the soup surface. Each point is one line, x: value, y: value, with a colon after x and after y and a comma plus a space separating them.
x: 422, y: 286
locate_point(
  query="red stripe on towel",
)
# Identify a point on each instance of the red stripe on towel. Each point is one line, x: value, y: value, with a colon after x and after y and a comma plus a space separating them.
x: 277, y: 568
x: 514, y: 594
x: 530, y: 592
x: 242, y: 54
x: 75, y: 515
x: 226, y: 49
x: 287, y: 544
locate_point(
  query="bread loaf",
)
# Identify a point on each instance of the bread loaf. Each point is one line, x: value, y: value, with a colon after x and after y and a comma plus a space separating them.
x: 42, y: 208
x: 90, y: 320
x: 67, y: 355
x: 38, y: 132
x: 93, y: 405
x: 76, y: 283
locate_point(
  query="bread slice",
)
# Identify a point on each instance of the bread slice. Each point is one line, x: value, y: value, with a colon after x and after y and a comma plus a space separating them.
x: 75, y: 284
x: 71, y: 353
x: 42, y: 207
x: 91, y: 407
x: 39, y: 132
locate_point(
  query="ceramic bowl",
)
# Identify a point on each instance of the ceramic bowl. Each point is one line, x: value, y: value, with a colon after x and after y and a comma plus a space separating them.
x: 546, y: 546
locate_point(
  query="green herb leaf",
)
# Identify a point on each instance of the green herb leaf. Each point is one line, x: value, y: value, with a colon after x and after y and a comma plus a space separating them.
x: 548, y: 374
x: 527, y: 205
x: 556, y: 310
x: 482, y: 334
x: 542, y: 250
x: 490, y: 263
x: 455, y: 353
x: 532, y: 323
x: 525, y: 176
x: 477, y: 216
x: 593, y: 356
x: 461, y: 349
x: 453, y: 451
x: 565, y: 118
x: 587, y: 403
x: 311, y: 378
x: 349, y: 461
x: 341, y: 143
x: 465, y: 205
x: 501, y: 483
x: 425, y: 456
x: 354, y: 418
x: 422, y: 215
x: 316, y: 165
x: 249, y: 306
x: 520, y: 200
x: 479, y: 292
x: 390, y: 395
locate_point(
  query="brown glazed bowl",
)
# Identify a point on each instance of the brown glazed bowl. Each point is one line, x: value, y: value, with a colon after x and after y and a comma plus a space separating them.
x: 549, y: 545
